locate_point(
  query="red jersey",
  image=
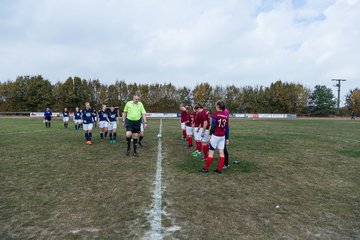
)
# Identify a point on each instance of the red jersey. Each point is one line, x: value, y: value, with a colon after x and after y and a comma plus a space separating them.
x: 190, y: 120
x: 221, y: 121
x: 205, y: 117
x: 196, y: 119
x: 184, y: 116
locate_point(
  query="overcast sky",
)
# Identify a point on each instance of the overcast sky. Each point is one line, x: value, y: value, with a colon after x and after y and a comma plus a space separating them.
x: 185, y: 42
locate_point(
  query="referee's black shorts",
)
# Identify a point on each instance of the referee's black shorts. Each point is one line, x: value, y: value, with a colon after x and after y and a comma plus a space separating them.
x: 133, y: 126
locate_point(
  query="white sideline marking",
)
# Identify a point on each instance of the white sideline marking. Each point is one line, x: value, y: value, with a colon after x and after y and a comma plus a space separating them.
x: 155, y: 212
x: 85, y: 229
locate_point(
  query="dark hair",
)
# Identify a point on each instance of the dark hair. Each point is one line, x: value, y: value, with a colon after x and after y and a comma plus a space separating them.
x: 199, y: 105
x: 189, y: 108
x: 221, y: 105
x: 137, y: 93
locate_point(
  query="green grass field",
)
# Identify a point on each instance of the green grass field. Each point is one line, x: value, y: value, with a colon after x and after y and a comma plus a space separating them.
x: 53, y: 186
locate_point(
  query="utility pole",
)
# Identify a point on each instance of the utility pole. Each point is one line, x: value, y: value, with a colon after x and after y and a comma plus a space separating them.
x: 338, y: 85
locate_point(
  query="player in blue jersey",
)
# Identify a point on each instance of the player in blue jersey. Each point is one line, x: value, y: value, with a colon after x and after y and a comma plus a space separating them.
x: 77, y: 118
x: 87, y: 120
x: 103, y: 121
x: 113, y: 122
x: 66, y: 116
x: 47, y: 117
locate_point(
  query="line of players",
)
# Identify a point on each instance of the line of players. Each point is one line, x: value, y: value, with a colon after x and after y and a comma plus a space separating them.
x: 106, y: 119
x: 210, y: 132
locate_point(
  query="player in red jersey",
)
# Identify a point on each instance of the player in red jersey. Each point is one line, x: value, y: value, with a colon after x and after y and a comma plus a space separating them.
x: 183, y: 119
x: 204, y: 129
x: 197, y: 133
x: 219, y: 136
x: 188, y: 126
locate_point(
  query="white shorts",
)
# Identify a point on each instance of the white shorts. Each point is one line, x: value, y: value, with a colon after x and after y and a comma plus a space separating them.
x: 197, y: 135
x: 103, y: 124
x: 206, y: 136
x: 217, y: 142
x: 112, y: 125
x: 87, y: 127
x: 182, y: 125
x: 189, y: 131
x: 142, y: 128
x: 65, y: 119
x: 77, y: 121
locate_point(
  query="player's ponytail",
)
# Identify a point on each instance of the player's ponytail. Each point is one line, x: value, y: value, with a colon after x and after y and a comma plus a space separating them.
x: 221, y: 105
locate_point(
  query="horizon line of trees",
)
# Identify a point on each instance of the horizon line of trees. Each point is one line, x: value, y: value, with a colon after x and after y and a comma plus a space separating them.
x: 34, y: 93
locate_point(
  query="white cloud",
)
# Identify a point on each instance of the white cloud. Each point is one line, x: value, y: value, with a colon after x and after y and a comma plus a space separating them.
x: 186, y: 42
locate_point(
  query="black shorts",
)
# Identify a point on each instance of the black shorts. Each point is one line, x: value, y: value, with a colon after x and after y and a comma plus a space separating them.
x: 48, y: 119
x: 132, y: 126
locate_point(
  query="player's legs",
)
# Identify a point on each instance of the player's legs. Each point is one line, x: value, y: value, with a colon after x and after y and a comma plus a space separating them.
x: 129, y: 129
x: 197, y: 136
x: 135, y: 142
x: 141, y: 135
x: 135, y: 130
x: 226, y: 155
x: 205, y: 145
x: 90, y: 126
x: 65, y: 121
x: 114, y: 132
x: 47, y: 122
x: 102, y: 133
x: 128, y: 141
x: 102, y: 130
x: 110, y: 129
x: 189, y: 136
x: 210, y: 156
x: 221, y: 146
x: 77, y: 124
x: 215, y: 143
x: 106, y: 126
x: 183, y: 129
x: 85, y: 128
x: 88, y: 132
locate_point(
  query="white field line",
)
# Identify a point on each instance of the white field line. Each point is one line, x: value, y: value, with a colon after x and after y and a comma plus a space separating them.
x: 155, y: 212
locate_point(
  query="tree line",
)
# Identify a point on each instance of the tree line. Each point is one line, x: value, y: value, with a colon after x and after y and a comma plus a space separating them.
x: 35, y: 93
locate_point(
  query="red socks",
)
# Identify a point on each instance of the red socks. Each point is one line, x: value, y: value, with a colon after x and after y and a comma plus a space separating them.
x: 184, y: 133
x: 208, y: 162
x: 205, y: 148
x: 221, y: 163
x: 198, y: 146
x: 190, y: 140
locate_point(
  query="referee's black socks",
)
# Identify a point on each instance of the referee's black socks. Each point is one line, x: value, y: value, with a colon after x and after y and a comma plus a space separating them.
x: 128, y: 141
x: 135, y: 141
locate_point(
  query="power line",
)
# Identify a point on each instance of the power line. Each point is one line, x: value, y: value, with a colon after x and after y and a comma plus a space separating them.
x: 338, y: 85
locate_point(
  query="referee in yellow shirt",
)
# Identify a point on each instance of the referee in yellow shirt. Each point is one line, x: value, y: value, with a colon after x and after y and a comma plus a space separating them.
x: 133, y: 112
